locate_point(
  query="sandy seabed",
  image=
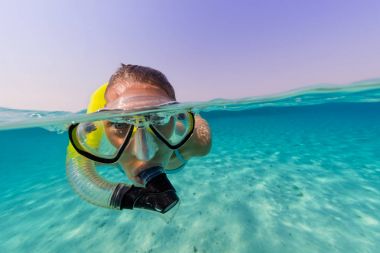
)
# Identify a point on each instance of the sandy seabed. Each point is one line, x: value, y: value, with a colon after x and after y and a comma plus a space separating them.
x: 270, y: 184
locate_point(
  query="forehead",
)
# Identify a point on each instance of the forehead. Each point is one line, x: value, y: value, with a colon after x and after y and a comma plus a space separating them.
x: 124, y: 88
x: 133, y: 96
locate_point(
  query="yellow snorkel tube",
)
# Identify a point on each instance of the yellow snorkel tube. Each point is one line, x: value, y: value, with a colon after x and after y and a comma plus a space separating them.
x: 81, y: 172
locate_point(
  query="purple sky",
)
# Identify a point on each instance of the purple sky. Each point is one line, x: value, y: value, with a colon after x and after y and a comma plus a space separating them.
x: 55, y: 53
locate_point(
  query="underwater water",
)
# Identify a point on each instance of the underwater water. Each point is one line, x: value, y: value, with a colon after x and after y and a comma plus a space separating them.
x: 298, y: 172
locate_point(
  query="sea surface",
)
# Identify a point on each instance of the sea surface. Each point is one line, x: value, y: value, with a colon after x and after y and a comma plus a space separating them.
x: 293, y: 172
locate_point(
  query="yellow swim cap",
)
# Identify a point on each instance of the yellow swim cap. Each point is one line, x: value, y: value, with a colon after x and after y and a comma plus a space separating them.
x: 97, y: 100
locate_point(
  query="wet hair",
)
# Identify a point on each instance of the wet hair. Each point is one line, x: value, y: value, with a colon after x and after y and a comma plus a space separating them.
x: 128, y: 74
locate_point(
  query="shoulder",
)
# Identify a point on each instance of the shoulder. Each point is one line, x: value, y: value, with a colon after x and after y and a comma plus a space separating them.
x: 202, y: 131
x: 199, y: 144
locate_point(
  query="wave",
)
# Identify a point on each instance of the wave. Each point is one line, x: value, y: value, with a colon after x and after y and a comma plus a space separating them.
x: 360, y: 92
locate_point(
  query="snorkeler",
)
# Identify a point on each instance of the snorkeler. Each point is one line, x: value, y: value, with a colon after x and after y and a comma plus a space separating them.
x: 146, y: 146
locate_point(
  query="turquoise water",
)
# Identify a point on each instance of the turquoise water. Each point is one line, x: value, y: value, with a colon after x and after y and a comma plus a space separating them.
x: 298, y: 172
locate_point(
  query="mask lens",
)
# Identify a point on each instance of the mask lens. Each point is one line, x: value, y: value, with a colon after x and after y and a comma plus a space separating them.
x: 175, y: 128
x: 101, y: 138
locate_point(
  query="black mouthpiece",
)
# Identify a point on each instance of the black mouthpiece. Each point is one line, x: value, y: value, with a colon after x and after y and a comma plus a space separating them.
x: 158, y: 195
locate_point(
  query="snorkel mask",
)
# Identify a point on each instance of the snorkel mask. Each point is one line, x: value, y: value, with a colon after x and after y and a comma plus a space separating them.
x: 104, y: 141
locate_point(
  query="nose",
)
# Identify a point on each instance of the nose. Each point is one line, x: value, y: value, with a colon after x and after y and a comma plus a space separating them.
x: 144, y: 145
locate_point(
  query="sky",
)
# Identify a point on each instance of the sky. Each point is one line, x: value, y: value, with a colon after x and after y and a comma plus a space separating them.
x: 54, y: 54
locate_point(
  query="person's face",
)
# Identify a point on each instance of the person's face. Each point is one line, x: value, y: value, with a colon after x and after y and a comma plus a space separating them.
x: 116, y: 133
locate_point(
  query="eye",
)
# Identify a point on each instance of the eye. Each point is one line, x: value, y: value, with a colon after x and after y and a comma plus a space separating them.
x: 154, y: 118
x: 117, y: 125
x: 120, y: 126
x: 181, y: 116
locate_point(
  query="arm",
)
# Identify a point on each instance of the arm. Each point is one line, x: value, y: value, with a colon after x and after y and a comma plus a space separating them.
x: 199, y: 143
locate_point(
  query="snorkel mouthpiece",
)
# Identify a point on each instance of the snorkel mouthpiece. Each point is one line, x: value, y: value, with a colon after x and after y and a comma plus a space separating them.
x: 147, y: 175
x: 158, y: 195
